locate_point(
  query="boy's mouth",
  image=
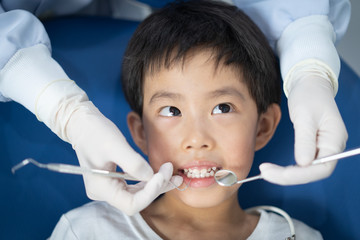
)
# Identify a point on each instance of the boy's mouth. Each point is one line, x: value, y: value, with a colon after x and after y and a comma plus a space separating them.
x: 199, y: 172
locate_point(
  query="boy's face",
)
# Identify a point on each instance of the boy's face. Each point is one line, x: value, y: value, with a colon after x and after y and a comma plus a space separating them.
x: 199, y: 119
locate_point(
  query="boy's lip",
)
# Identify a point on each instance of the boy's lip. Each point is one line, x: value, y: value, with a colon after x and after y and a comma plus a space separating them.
x: 199, y: 165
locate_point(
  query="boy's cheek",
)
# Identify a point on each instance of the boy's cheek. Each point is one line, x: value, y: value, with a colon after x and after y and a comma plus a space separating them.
x: 161, y: 148
x: 158, y: 155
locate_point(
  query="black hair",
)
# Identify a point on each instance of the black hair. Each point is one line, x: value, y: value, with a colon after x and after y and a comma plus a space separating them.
x: 166, y: 36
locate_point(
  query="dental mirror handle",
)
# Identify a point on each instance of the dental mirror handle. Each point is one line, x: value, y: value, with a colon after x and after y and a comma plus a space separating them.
x: 330, y: 158
x: 337, y: 156
x: 257, y: 177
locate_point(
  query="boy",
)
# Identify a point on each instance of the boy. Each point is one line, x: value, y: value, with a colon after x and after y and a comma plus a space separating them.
x: 204, y: 88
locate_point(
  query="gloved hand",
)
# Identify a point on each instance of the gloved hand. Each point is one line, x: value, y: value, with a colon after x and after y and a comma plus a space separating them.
x: 319, y: 132
x: 35, y: 80
x: 99, y: 144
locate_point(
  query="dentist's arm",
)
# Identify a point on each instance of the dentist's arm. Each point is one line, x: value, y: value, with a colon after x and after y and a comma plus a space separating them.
x: 31, y: 77
x: 303, y: 34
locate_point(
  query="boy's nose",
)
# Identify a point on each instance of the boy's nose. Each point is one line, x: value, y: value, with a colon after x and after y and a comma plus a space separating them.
x: 198, y: 137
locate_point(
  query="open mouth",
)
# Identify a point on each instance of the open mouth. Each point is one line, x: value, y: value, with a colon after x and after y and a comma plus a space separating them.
x: 199, y: 172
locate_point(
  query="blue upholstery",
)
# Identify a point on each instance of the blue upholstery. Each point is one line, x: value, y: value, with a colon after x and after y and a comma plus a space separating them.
x: 90, y: 50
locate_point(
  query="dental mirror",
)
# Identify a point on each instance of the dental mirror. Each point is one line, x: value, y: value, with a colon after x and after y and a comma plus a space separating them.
x: 228, y: 178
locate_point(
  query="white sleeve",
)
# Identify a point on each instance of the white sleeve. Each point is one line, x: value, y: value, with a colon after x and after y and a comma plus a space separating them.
x: 28, y: 73
x: 18, y: 29
x: 302, y: 32
x: 273, y: 16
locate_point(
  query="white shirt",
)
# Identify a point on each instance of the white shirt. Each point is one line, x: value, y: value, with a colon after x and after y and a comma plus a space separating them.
x: 99, y: 220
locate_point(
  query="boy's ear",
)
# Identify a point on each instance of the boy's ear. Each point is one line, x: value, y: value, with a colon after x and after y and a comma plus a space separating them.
x: 136, y: 128
x: 267, y: 124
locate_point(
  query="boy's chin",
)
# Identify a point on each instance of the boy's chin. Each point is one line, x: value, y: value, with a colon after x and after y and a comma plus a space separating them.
x: 204, y: 199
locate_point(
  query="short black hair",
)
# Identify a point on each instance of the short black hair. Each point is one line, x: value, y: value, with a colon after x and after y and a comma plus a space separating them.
x: 166, y: 36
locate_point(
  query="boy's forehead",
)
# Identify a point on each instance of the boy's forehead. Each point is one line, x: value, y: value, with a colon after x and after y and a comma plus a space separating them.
x: 190, y: 61
x: 199, y: 72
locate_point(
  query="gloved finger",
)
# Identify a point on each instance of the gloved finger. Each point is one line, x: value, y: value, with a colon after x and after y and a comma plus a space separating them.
x: 328, y: 139
x: 136, y: 165
x: 293, y: 175
x: 101, y: 188
x: 100, y: 144
x: 130, y: 203
x: 134, y: 188
x: 332, y: 138
x: 131, y: 162
x: 305, y: 141
x: 175, y: 181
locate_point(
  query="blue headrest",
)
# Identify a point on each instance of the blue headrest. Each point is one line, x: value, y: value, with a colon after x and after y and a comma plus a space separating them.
x: 90, y: 50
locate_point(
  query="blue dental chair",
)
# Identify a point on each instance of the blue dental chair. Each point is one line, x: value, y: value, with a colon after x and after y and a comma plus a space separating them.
x: 90, y: 49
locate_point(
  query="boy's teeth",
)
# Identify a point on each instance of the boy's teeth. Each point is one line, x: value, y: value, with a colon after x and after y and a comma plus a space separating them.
x: 202, y: 173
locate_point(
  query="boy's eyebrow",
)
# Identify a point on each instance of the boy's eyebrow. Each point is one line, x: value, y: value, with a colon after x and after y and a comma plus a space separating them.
x: 226, y: 91
x: 164, y: 94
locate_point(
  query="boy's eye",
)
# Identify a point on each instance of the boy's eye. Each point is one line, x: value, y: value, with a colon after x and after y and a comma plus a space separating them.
x: 222, y: 108
x: 170, y: 111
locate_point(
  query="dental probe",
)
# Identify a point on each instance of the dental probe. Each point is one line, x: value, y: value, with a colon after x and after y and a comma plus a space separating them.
x: 228, y: 178
x: 71, y: 169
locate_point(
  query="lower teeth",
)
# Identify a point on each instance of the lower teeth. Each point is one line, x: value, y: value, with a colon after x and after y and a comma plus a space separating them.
x: 200, y: 174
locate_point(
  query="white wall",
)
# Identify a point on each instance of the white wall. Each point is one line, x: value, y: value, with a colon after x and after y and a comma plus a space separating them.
x: 349, y: 46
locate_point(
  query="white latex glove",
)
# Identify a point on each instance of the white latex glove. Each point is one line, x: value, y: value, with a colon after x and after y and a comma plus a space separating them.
x: 99, y: 144
x: 35, y: 80
x: 319, y: 132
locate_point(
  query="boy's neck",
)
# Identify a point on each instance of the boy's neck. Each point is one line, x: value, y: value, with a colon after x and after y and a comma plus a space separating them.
x: 168, y: 215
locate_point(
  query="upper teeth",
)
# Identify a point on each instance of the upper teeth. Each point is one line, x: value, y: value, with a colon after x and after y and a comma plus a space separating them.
x: 200, y: 173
